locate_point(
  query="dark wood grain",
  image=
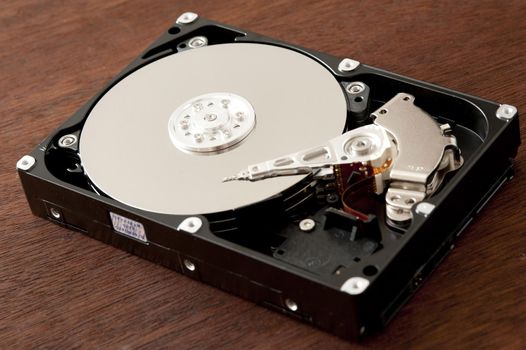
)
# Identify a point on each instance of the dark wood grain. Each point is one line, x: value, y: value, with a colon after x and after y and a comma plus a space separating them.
x: 60, y: 289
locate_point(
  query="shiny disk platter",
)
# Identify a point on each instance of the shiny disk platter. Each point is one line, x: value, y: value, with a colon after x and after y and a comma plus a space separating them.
x: 164, y: 137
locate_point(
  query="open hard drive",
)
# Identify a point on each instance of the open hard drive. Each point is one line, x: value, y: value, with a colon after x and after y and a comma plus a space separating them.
x: 314, y: 185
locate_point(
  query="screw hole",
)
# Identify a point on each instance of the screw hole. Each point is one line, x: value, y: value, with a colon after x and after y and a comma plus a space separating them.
x: 358, y: 99
x: 383, y: 111
x: 370, y: 270
x: 174, y: 30
x: 410, y: 201
x: 332, y: 198
x: 74, y: 168
x: 406, y: 98
x: 280, y: 252
x: 343, y: 157
x: 357, y: 259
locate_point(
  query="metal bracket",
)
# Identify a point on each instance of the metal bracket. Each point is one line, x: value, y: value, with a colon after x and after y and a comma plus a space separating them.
x: 426, y: 153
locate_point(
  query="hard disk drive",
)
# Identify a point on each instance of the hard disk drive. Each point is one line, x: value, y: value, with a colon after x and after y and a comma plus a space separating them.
x: 317, y: 186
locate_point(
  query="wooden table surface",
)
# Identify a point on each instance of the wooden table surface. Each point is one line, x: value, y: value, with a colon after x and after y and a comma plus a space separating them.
x: 60, y: 289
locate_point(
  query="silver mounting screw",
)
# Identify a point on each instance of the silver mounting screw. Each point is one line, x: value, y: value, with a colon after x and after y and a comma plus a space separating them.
x: 362, y: 145
x: 187, y: 18
x: 210, y: 117
x: 191, y: 224
x: 227, y: 133
x: 190, y: 266
x: 198, y: 41
x: 355, y: 285
x: 55, y: 213
x: 67, y: 141
x: 307, y: 225
x: 506, y: 112
x: 25, y: 163
x: 198, y: 138
x: 355, y: 87
x: 291, y: 305
x: 348, y: 65
x: 240, y: 116
x: 424, y: 208
x: 184, y: 124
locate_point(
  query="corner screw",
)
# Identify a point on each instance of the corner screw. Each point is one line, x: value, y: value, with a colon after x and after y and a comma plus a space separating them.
x: 25, y: 163
x: 191, y: 224
x: 506, y: 112
x: 348, y: 65
x: 187, y: 18
x: 355, y: 285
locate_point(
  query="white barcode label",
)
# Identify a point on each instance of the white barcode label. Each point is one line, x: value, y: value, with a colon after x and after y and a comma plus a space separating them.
x: 128, y: 227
